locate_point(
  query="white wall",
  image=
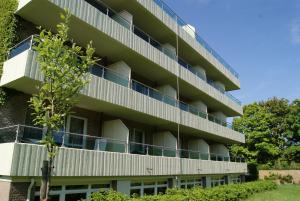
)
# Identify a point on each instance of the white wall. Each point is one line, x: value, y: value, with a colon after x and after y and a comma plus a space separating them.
x: 220, y: 85
x: 122, y: 68
x: 198, y: 145
x: 168, y: 90
x: 200, y: 70
x: 6, y: 158
x: 115, y: 129
x: 219, y: 149
x: 219, y: 115
x: 200, y: 106
x: 165, y: 139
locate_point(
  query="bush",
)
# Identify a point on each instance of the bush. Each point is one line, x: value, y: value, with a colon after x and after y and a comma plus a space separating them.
x: 286, y: 179
x: 232, y: 192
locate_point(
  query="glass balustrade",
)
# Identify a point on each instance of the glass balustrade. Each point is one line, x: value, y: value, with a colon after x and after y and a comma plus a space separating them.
x: 120, y: 79
x: 147, y: 38
x: 34, y: 135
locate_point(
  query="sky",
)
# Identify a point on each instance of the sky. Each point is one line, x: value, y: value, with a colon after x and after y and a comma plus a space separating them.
x: 260, y: 39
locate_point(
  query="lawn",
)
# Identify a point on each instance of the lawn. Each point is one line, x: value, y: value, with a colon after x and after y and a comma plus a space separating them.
x: 283, y: 193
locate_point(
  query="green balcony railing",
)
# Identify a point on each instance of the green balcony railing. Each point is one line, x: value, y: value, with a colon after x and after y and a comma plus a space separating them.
x: 34, y: 135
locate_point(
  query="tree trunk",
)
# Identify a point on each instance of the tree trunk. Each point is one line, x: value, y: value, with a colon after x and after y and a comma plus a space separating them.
x: 45, y: 181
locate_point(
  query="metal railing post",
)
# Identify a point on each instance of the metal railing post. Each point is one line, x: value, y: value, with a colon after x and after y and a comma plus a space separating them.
x: 17, y: 133
x: 63, y: 140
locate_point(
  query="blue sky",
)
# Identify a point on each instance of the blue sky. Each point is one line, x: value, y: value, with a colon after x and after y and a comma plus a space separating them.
x: 259, y: 38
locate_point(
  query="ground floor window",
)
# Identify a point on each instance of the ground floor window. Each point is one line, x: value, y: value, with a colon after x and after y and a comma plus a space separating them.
x: 190, y: 183
x: 141, y: 188
x: 217, y: 181
x: 235, y: 179
x: 73, y: 192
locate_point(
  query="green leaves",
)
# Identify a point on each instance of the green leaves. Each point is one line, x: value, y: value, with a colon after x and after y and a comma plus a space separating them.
x: 233, y: 192
x: 270, y: 127
x: 7, y: 34
x: 65, y: 72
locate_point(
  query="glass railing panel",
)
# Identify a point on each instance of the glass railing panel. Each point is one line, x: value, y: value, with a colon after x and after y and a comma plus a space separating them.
x: 114, y: 77
x: 30, y: 134
x: 170, y: 101
x: 73, y: 141
x: 120, y: 20
x: 156, y: 95
x: 97, y: 70
x: 194, y: 155
x: 141, y: 34
x: 169, y: 153
x: 183, y: 153
x: 8, y: 134
x: 136, y: 148
x: 103, y: 144
x: 184, y: 106
x: 19, y: 48
x: 213, y: 157
x: 140, y: 88
x: 226, y: 158
x: 204, y: 156
x: 155, y: 151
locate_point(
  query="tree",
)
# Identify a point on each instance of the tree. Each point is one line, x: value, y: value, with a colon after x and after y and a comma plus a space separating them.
x: 7, y: 34
x: 270, y: 127
x: 65, y: 68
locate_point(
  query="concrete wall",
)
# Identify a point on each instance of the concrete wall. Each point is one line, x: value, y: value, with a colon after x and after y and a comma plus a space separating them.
x: 28, y: 158
x: 168, y: 90
x: 122, y: 68
x: 219, y: 149
x: 198, y: 145
x: 294, y: 173
x: 115, y: 129
x: 165, y: 139
x: 4, y: 190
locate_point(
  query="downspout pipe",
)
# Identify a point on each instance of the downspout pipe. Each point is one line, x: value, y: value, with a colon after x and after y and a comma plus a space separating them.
x: 29, y: 190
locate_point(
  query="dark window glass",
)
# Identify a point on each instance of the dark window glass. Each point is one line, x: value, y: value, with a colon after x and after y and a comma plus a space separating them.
x: 99, y: 186
x: 161, y: 190
x: 149, y: 191
x: 135, y: 192
x: 74, y: 187
x: 75, y: 197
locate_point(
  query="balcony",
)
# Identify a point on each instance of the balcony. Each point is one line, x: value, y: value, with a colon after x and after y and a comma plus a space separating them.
x: 11, y: 75
x: 84, y: 155
x: 136, y: 39
x: 189, y: 38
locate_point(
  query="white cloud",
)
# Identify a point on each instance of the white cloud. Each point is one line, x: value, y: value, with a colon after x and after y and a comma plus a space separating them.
x: 295, y: 31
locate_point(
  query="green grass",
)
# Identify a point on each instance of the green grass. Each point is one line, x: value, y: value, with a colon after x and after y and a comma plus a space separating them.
x: 283, y: 193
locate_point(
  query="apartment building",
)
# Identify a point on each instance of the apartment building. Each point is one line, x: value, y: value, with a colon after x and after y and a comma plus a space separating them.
x: 152, y: 117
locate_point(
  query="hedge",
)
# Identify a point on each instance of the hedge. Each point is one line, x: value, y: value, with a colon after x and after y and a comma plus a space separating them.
x: 232, y: 192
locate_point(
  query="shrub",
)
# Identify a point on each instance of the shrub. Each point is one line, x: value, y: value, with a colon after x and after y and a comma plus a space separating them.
x: 286, y: 179
x: 232, y: 192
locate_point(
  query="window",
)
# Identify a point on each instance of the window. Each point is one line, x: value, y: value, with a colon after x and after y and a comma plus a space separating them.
x: 217, y: 181
x: 235, y: 180
x: 73, y: 192
x: 148, y: 188
x: 190, y: 183
x: 76, y: 125
x: 137, y: 141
